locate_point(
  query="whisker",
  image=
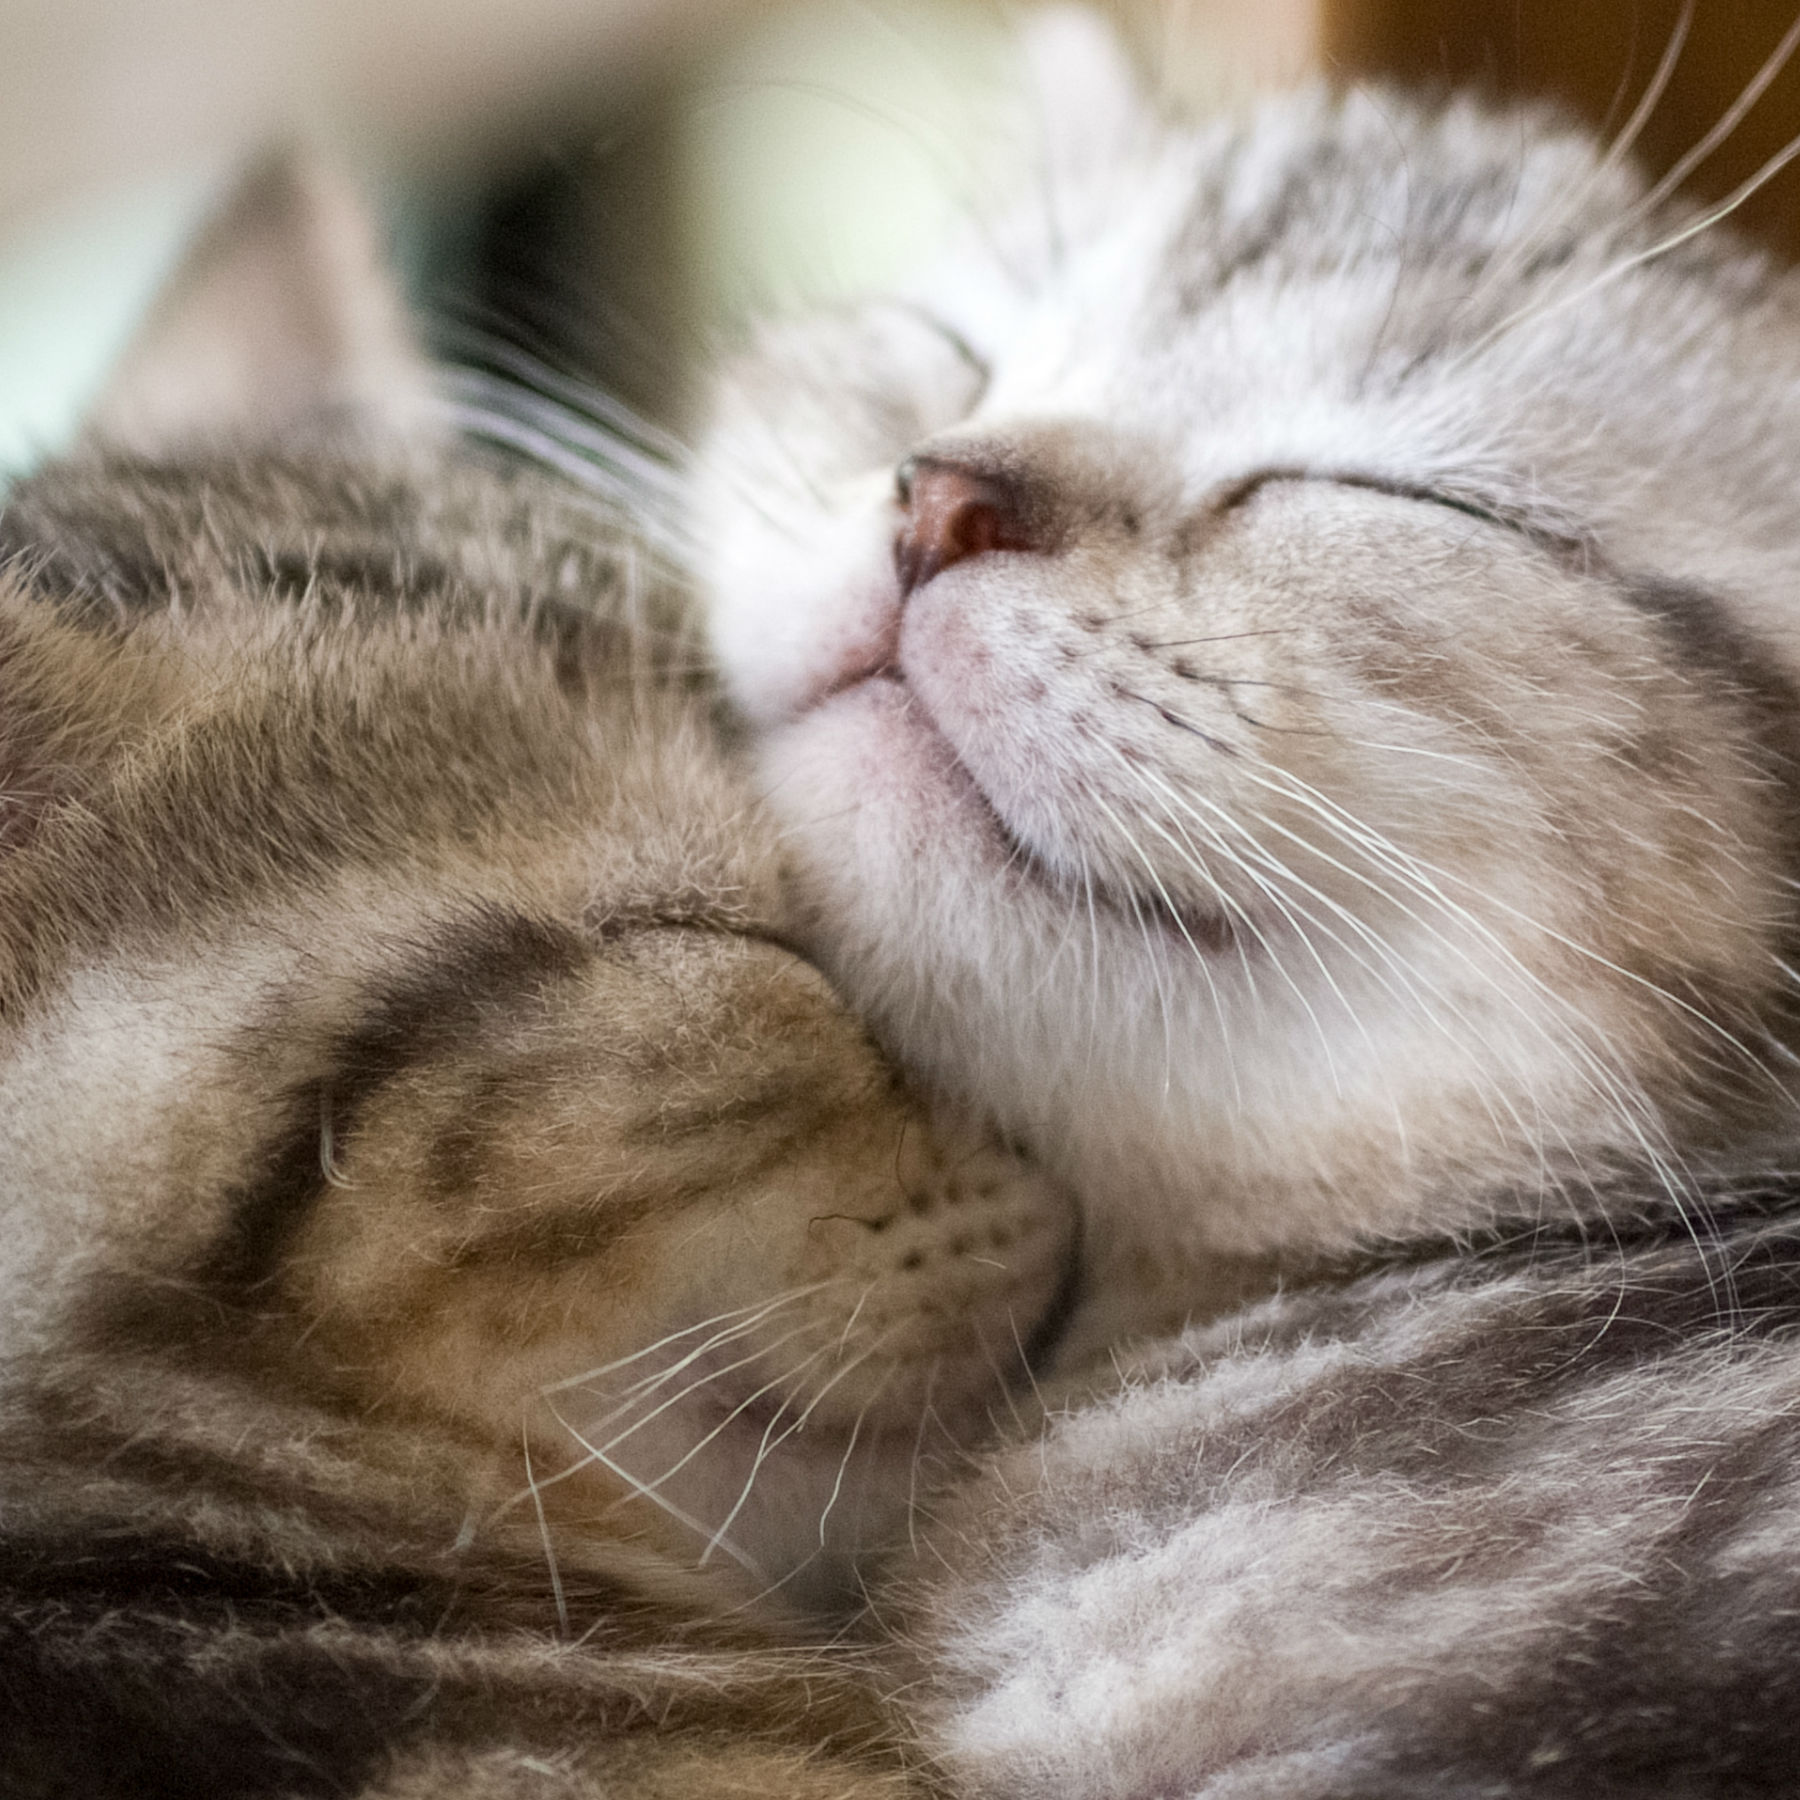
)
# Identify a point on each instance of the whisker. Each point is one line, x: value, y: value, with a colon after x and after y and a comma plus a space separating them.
x: 1605, y: 1080
x: 856, y: 1362
x: 537, y: 1500
x: 1616, y: 152
x: 1733, y: 116
x: 594, y: 1427
x: 1200, y: 956
x: 662, y: 1501
x: 536, y: 375
x: 837, y: 1487
x: 912, y: 1479
x: 763, y: 1450
x: 760, y: 1308
x: 1730, y: 204
x: 1427, y: 876
x: 706, y: 1380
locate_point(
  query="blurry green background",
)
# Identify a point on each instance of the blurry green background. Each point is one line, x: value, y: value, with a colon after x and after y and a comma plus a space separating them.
x: 613, y: 183
x: 609, y: 182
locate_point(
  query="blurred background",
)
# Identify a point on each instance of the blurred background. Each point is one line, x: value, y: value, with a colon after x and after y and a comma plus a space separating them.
x: 612, y: 184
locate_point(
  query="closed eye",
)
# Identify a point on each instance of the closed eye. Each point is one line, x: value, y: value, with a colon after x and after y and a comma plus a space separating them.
x: 1561, y: 542
x: 978, y: 364
x: 1426, y: 496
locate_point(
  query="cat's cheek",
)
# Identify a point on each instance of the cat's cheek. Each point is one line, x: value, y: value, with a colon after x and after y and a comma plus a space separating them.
x: 876, y: 806
x: 798, y: 612
x: 986, y: 652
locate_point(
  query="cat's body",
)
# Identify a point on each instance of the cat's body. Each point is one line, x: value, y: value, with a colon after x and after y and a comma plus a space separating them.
x: 459, y: 1272
x: 1522, y: 1524
x: 1278, y: 660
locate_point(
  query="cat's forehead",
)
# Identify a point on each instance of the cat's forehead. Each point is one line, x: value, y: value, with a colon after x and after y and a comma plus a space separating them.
x: 1316, y: 181
x: 1326, y: 270
x: 1361, y: 193
x: 1311, y: 184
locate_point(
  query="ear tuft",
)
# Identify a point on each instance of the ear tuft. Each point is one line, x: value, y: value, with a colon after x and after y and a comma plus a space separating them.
x: 1082, y: 87
x: 282, y: 315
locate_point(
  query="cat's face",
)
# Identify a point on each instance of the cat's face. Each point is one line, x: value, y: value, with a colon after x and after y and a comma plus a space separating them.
x: 1273, y: 658
x: 396, y: 1025
x: 394, y: 1013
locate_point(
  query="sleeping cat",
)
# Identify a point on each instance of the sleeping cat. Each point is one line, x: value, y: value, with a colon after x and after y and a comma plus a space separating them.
x: 1519, y: 1524
x: 1277, y: 663
x: 1275, y: 657
x: 460, y: 1273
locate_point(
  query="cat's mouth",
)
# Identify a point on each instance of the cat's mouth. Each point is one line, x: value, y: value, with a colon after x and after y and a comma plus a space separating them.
x: 1209, y: 930
x: 769, y: 1480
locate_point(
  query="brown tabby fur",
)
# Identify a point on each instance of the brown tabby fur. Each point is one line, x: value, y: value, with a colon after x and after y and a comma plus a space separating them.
x: 402, y: 1082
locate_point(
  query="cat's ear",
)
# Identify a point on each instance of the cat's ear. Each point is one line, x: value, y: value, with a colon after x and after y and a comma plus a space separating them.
x: 1084, y: 93
x: 282, y: 315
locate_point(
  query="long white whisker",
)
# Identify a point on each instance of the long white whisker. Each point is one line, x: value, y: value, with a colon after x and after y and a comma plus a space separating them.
x: 768, y: 1444
x: 1634, y: 1111
x: 1298, y: 991
x: 1174, y: 912
x: 1425, y: 878
x: 1728, y: 122
x: 1616, y: 152
x: 855, y: 1363
x: 1272, y: 886
x: 1601, y: 1077
x: 712, y: 1375
x: 759, y: 1309
x: 837, y: 1487
x: 596, y: 1426
x: 537, y: 1500
x: 1616, y: 271
x: 648, y: 1492
x: 918, y: 1450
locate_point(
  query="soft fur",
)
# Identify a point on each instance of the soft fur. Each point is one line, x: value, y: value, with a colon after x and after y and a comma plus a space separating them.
x: 1359, y: 795
x: 463, y: 1277
x: 1518, y: 1525
x: 1277, y: 658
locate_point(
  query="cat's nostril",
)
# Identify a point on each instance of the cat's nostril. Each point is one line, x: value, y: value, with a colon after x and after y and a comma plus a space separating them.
x: 952, y: 513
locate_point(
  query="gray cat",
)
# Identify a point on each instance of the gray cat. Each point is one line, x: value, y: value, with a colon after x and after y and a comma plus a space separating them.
x: 1276, y: 658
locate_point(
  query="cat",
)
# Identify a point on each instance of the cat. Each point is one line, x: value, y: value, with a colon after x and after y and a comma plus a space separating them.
x: 467, y: 1287
x: 1276, y: 658
x: 1515, y: 1524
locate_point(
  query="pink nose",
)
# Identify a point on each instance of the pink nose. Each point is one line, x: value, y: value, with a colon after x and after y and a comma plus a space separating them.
x: 952, y: 514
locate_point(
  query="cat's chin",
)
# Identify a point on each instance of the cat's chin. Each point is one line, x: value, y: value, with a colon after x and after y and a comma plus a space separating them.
x: 739, y: 1477
x: 875, y: 721
x: 869, y: 743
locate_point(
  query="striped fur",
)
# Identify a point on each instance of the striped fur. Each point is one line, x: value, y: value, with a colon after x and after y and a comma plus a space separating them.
x: 467, y: 1289
x: 1278, y: 655
x: 1518, y: 1524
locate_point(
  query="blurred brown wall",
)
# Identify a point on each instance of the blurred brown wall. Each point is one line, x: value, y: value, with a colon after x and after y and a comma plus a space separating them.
x: 1597, y: 56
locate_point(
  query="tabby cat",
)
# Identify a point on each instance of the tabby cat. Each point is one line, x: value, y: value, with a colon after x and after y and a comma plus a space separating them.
x: 1277, y: 659
x: 461, y: 1274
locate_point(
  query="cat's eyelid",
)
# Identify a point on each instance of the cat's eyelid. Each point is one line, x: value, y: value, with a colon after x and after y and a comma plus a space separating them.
x: 978, y: 364
x: 1548, y: 537
x: 1429, y: 496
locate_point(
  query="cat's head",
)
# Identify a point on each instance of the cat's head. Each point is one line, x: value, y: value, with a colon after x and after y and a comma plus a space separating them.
x: 400, y: 1058
x: 1274, y: 655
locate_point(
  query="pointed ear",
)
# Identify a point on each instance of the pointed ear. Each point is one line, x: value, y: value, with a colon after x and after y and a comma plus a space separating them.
x: 1084, y: 93
x: 282, y: 315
